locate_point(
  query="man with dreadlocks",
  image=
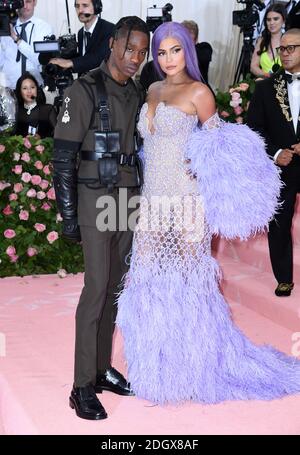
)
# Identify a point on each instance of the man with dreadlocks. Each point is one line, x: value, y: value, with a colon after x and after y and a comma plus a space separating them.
x: 97, y: 124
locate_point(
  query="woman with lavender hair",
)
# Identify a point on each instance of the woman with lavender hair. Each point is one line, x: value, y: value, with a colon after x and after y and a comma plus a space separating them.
x: 202, y: 177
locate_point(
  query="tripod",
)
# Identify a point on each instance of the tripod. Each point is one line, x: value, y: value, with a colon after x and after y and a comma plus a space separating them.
x: 243, y: 67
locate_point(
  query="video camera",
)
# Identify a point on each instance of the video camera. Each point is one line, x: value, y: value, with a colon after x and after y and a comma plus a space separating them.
x: 248, y: 17
x: 54, y: 76
x: 8, y: 14
x: 157, y: 16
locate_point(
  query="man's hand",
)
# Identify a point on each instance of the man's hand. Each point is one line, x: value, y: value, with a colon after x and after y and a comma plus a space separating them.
x: 296, y: 149
x: 62, y: 62
x: 13, y: 34
x: 285, y: 157
x: 71, y: 230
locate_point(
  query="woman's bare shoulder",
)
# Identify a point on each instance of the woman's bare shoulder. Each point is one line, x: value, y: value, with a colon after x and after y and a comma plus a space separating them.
x: 154, y: 90
x: 199, y: 89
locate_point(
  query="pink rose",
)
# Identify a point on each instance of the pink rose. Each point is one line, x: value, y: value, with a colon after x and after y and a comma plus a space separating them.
x: 40, y: 148
x: 25, y: 157
x: 8, y: 210
x: 16, y: 156
x: 32, y: 208
x: 44, y: 184
x: 31, y: 193
x: 238, y: 110
x: 10, y: 251
x: 4, y: 185
x: 18, y: 187
x: 59, y: 218
x: 47, y: 170
x: 51, y: 194
x: 244, y: 86
x: 31, y: 252
x: 17, y: 169
x: 52, y: 236
x: 46, y: 206
x: 235, y: 96
x: 62, y: 273
x: 9, y: 234
x: 225, y: 114
x: 39, y: 165
x: 40, y: 195
x: 239, y: 120
x: 36, y: 179
x: 234, y: 103
x: 39, y: 227
x: 26, y: 177
x: 13, y: 197
x: 24, y: 215
x: 2, y: 148
x: 27, y: 143
x: 13, y: 258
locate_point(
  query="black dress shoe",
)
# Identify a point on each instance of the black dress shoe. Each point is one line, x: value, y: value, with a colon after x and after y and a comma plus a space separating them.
x: 284, y: 289
x: 113, y: 381
x: 86, y: 404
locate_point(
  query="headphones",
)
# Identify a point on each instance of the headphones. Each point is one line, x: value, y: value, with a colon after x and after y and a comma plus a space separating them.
x: 97, y: 6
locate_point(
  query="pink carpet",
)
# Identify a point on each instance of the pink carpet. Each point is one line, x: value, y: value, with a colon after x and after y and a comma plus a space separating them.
x: 36, y: 360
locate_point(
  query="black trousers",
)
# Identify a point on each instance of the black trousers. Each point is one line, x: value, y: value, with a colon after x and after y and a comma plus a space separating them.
x: 105, y: 266
x: 279, y: 236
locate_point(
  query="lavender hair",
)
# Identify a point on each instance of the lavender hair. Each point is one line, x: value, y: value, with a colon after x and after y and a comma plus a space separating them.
x: 181, y: 34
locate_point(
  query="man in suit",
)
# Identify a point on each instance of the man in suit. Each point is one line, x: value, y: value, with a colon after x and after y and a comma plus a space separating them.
x: 93, y: 38
x: 17, y: 50
x: 293, y: 19
x: 274, y: 112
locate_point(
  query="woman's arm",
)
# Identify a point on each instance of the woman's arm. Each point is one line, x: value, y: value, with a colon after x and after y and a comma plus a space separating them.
x: 255, y: 62
x: 204, y: 102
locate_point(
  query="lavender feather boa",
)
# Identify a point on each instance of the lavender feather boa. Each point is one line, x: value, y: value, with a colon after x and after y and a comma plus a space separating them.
x: 239, y: 182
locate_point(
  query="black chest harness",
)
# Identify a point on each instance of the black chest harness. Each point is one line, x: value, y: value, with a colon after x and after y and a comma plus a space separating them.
x: 107, y: 148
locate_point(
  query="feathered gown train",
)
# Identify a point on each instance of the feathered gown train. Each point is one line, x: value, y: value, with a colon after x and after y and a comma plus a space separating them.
x: 180, y: 341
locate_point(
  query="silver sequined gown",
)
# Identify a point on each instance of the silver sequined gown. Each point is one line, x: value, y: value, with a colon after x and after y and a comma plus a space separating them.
x: 180, y: 341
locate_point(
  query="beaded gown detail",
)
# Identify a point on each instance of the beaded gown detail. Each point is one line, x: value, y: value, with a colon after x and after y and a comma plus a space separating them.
x: 180, y: 341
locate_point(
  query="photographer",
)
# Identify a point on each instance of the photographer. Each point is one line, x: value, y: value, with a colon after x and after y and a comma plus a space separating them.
x: 16, y: 51
x: 93, y: 38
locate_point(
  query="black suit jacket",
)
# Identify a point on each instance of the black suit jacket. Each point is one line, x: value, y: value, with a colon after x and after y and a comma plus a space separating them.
x: 270, y: 115
x: 97, y: 50
x: 293, y: 19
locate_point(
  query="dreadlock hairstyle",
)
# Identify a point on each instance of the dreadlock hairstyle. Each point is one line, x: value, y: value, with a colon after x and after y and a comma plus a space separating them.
x: 266, y: 35
x: 181, y: 34
x: 129, y: 24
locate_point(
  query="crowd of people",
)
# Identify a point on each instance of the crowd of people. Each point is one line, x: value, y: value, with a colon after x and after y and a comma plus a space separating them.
x: 180, y: 342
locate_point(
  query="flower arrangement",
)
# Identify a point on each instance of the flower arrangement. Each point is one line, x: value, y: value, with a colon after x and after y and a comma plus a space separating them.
x: 233, y: 104
x: 30, y: 227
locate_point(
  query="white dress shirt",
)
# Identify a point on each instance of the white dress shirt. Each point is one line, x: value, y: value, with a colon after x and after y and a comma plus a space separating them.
x: 36, y: 30
x: 294, y: 101
x: 91, y: 29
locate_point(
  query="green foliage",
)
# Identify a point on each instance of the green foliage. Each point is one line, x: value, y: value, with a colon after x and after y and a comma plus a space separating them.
x: 25, y: 167
x: 233, y: 104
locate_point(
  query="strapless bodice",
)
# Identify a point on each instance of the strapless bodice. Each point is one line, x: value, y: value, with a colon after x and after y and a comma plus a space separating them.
x: 168, y: 120
x: 165, y: 140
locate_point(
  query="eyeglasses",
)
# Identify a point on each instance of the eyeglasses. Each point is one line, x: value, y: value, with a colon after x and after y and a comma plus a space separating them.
x: 290, y: 49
